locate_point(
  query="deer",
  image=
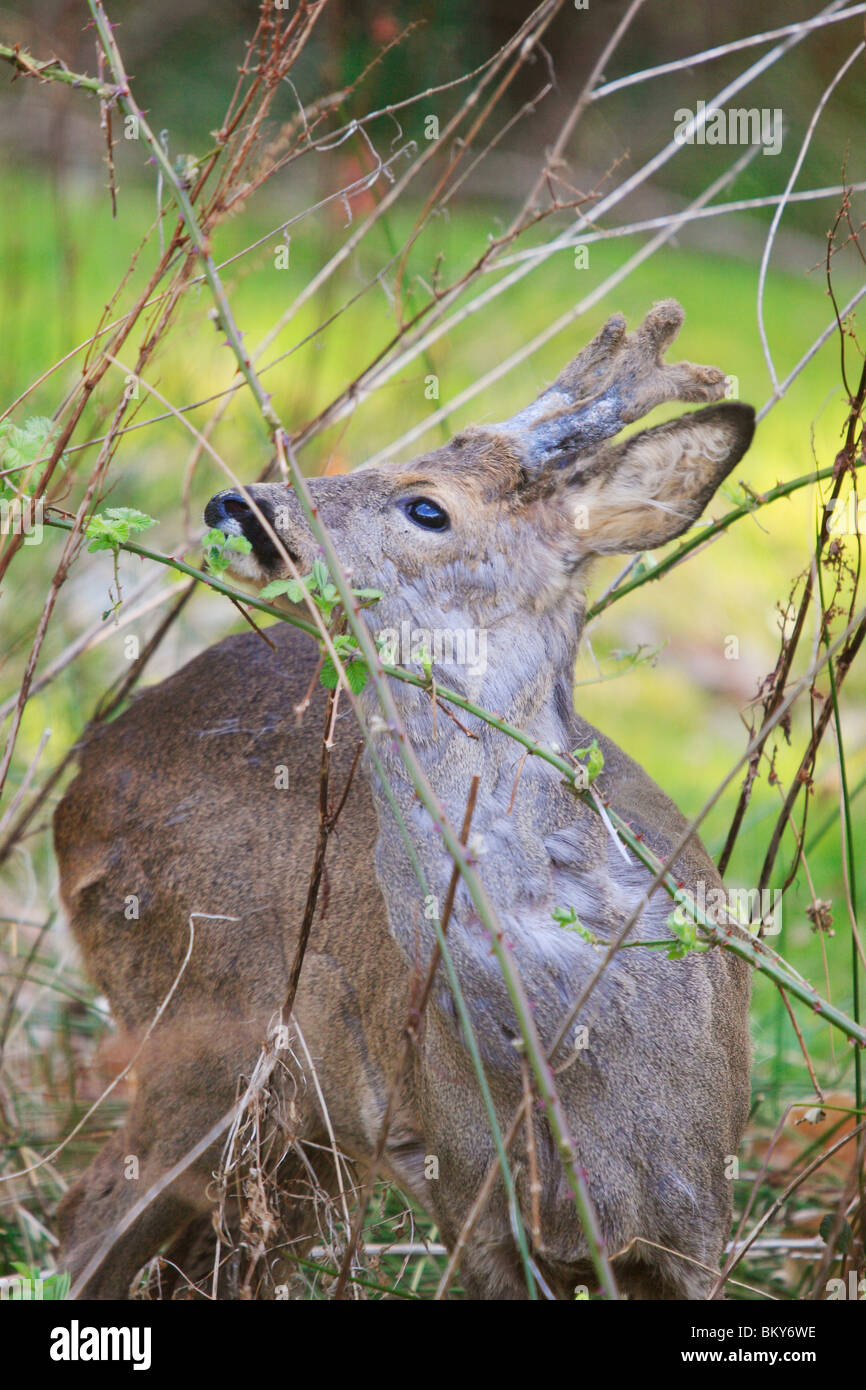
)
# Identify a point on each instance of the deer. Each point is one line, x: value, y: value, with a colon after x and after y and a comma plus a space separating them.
x: 175, y: 802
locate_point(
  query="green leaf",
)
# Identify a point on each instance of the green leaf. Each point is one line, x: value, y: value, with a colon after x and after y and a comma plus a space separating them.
x: 276, y: 589
x: 687, y: 939
x: 328, y: 675
x: 568, y: 918
x: 214, y: 547
x: 110, y: 529
x: 21, y: 446
x: 57, y: 1286
x: 101, y: 542
x: 130, y: 516
x: 356, y: 675
x: 321, y: 577
x: 367, y: 593
x: 646, y: 563
x: 594, y: 759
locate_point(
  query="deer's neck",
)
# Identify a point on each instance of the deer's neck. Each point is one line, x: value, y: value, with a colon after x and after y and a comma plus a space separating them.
x: 520, y: 670
x: 525, y: 678
x: 536, y: 848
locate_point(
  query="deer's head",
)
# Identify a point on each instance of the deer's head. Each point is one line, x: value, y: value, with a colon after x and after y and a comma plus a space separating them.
x: 494, y: 531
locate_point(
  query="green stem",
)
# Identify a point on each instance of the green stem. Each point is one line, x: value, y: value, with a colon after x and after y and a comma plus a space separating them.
x: 171, y: 562
x: 829, y: 820
x: 391, y: 1289
x: 54, y: 71
x: 752, y: 949
x: 849, y: 856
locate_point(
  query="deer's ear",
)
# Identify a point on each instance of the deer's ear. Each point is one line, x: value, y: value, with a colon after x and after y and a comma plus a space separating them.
x: 645, y: 491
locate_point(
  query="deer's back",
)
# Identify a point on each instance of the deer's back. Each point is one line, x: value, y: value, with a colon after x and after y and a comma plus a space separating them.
x: 176, y: 803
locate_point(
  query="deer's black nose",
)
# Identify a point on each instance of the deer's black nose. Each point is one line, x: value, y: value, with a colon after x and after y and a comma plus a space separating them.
x: 232, y: 506
x: 229, y: 506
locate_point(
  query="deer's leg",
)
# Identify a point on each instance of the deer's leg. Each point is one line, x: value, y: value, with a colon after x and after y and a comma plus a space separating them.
x: 97, y: 1203
x: 492, y: 1271
x: 187, y: 1080
x: 490, y: 1268
x: 648, y: 1281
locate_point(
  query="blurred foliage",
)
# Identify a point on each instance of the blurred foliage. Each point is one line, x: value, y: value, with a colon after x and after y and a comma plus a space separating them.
x: 184, y: 56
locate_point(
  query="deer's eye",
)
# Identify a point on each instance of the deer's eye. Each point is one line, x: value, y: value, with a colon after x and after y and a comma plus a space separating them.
x: 427, y: 514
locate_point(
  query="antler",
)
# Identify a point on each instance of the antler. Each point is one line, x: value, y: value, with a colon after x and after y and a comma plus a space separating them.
x: 618, y: 378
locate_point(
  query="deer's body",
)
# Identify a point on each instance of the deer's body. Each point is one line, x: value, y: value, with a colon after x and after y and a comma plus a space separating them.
x: 175, y: 802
